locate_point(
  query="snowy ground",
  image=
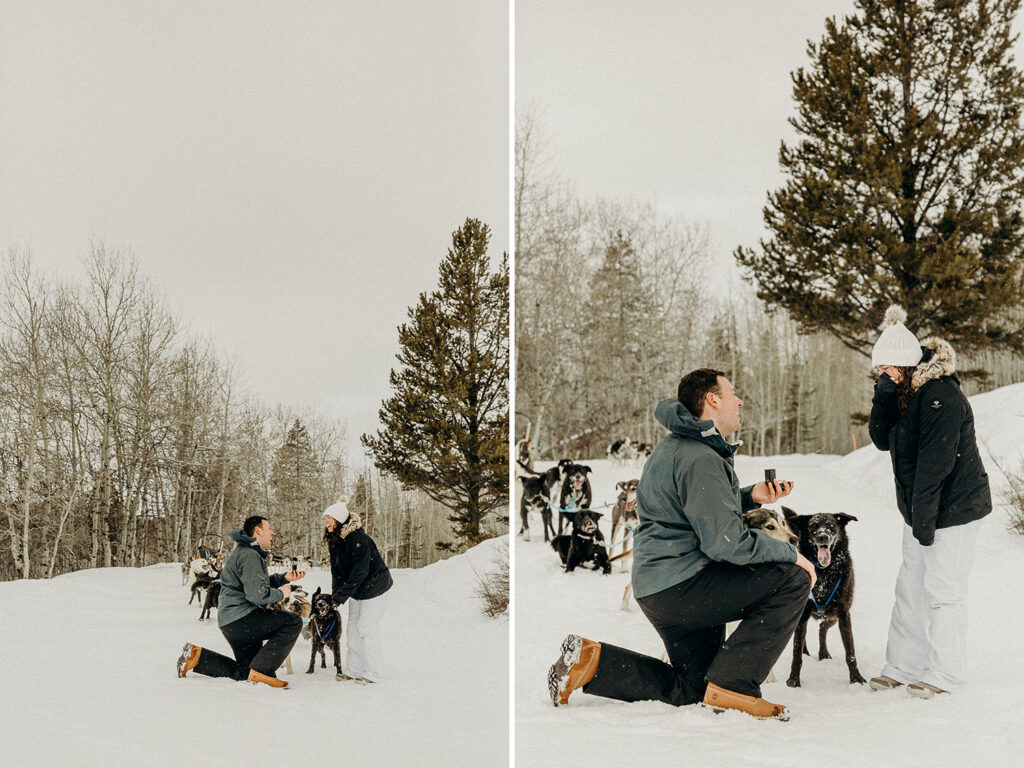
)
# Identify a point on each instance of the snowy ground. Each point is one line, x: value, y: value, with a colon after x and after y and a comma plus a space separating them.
x: 833, y: 723
x: 89, y: 679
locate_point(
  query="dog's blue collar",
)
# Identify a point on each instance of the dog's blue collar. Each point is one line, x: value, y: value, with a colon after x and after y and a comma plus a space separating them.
x: 820, y: 609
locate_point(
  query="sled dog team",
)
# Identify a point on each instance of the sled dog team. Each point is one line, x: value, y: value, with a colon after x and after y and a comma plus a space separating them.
x: 696, y: 566
x: 261, y: 621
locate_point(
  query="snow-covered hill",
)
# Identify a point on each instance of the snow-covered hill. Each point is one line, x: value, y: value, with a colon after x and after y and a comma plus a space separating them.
x: 89, y: 679
x: 833, y: 723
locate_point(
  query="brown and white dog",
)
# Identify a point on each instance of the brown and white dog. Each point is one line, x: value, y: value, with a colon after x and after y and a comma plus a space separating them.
x: 524, y: 454
x: 624, y: 516
x: 193, y: 569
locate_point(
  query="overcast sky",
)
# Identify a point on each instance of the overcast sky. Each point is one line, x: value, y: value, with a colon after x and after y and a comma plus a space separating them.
x: 680, y: 103
x: 288, y: 174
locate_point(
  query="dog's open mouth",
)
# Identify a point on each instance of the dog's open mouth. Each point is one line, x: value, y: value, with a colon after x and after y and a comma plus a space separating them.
x: 589, y: 526
x: 630, y: 505
x: 824, y: 556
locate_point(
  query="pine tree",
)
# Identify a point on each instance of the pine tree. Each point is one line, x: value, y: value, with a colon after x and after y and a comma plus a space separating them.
x: 362, y: 501
x: 616, y: 349
x: 445, y: 430
x: 907, y: 180
x: 295, y: 478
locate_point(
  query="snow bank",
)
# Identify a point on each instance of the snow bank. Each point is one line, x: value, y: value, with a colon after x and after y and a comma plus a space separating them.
x: 833, y: 723
x: 90, y: 679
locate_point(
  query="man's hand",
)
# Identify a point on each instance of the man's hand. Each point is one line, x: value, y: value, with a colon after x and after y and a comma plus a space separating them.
x: 808, y: 566
x: 286, y: 590
x: 767, y: 493
x: 294, y: 575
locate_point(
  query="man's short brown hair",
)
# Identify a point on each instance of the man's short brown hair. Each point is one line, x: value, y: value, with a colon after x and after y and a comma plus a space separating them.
x: 695, y: 385
x: 252, y: 523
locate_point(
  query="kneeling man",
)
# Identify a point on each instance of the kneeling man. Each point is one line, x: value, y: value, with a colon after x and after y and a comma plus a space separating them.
x: 260, y: 638
x: 695, y: 567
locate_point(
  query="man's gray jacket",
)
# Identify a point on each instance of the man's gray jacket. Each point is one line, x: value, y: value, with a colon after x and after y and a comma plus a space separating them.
x: 244, y: 582
x: 691, y: 507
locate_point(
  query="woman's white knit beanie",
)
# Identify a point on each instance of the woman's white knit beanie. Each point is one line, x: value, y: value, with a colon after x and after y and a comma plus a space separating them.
x: 338, y: 510
x: 896, y: 345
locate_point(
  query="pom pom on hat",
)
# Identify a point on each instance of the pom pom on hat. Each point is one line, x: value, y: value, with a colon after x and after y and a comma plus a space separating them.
x: 894, y: 314
x: 897, y: 345
x: 338, y: 510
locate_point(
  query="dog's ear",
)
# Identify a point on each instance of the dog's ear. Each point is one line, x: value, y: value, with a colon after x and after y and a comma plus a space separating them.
x: 842, y: 518
x: 596, y: 514
x: 585, y: 468
x: 316, y: 593
x: 797, y: 522
x: 621, y: 485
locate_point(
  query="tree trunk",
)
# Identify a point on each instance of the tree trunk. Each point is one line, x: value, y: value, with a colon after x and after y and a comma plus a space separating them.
x: 60, y: 529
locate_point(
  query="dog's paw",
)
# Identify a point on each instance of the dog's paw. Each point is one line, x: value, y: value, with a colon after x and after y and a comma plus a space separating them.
x: 823, y: 654
x: 793, y: 682
x: 309, y: 671
x: 855, y: 677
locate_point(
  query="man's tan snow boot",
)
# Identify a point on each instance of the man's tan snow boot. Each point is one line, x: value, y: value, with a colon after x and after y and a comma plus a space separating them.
x: 273, y: 682
x: 188, y: 659
x: 574, y: 668
x: 720, y: 699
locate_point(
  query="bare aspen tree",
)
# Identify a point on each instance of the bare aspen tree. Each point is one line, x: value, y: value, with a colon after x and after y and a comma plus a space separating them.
x: 124, y: 442
x: 146, y: 423
x: 107, y: 311
x: 27, y: 362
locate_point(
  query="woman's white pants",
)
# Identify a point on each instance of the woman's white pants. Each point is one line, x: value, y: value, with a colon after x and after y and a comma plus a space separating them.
x: 363, y: 631
x: 928, y: 631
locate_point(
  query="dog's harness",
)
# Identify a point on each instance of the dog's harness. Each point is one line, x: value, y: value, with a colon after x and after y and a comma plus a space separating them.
x: 326, y: 634
x: 624, y: 539
x: 820, y: 610
x: 556, y: 508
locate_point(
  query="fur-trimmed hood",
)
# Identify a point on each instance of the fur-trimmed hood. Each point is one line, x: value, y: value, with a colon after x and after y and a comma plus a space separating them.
x: 354, y: 523
x: 939, y: 360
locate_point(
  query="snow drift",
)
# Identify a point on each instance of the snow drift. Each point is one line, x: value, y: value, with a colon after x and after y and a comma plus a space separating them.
x: 89, y: 679
x: 833, y: 722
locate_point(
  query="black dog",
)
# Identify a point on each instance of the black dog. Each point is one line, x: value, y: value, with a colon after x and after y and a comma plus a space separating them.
x: 325, y: 631
x: 823, y: 541
x: 202, y: 582
x: 584, y: 544
x: 576, y: 492
x: 535, y: 498
x: 551, y: 477
x: 620, y: 449
x: 212, y: 600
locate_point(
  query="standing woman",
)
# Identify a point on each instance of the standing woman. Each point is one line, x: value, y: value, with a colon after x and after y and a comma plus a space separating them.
x: 358, y: 573
x: 923, y: 419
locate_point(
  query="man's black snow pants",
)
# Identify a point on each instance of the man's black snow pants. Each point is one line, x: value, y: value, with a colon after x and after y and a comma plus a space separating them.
x: 246, y: 636
x: 691, y: 616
